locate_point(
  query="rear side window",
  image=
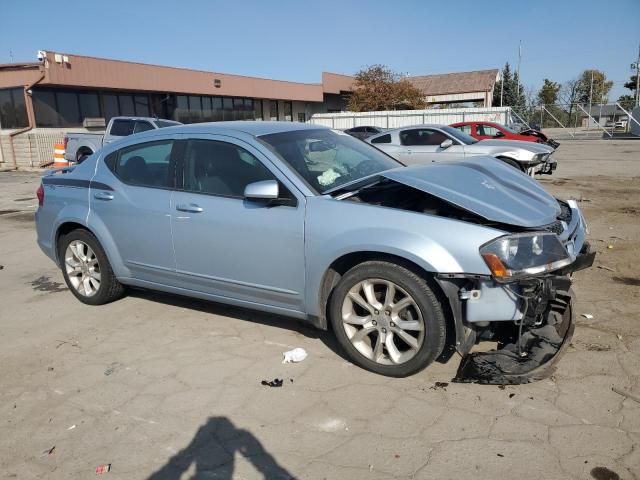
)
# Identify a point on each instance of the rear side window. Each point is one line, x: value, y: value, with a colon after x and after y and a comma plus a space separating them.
x: 121, y: 128
x: 382, y: 139
x: 144, y: 165
x: 142, y: 127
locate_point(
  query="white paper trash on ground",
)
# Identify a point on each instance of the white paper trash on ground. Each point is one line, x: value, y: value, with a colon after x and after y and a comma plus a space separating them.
x: 294, y: 356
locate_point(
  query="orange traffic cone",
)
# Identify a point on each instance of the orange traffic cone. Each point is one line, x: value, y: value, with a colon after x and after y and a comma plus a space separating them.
x: 58, y: 156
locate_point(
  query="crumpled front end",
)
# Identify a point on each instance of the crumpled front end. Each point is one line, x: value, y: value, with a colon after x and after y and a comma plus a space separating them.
x: 530, y: 318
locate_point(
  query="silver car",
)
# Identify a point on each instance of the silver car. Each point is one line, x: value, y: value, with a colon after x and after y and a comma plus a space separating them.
x: 405, y: 264
x: 436, y: 143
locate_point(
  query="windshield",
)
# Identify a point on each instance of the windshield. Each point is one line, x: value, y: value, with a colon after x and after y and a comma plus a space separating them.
x: 461, y: 136
x: 326, y: 159
x: 508, y: 129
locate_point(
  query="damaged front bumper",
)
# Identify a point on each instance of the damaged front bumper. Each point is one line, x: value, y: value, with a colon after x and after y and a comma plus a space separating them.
x: 531, y: 320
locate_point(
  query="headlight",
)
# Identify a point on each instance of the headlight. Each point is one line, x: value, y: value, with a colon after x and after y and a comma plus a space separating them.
x: 540, y: 157
x: 520, y: 255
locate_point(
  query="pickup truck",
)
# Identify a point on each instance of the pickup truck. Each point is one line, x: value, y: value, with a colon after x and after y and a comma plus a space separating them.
x: 79, y: 146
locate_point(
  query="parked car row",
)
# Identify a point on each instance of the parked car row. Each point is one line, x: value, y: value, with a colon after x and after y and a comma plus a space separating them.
x: 529, y: 151
x: 406, y: 264
x: 434, y: 143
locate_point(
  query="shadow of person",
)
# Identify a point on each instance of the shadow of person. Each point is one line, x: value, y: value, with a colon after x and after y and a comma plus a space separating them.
x: 212, y: 453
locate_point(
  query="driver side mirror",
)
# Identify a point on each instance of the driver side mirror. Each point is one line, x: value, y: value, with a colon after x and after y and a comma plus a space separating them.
x: 498, y: 134
x: 446, y: 143
x: 263, y: 190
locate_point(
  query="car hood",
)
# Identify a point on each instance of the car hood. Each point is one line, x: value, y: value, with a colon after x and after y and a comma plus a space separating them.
x: 531, y: 146
x: 484, y: 186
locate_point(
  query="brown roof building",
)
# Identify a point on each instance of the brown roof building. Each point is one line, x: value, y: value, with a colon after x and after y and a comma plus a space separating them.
x: 459, y: 87
x: 62, y: 90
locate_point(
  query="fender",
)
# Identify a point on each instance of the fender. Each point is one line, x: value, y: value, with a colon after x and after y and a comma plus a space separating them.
x: 101, y: 232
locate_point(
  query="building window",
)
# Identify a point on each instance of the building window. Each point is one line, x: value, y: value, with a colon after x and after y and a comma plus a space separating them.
x: 13, y: 111
x: 257, y: 110
x: 127, y: 108
x: 141, y: 105
x: 302, y: 117
x: 273, y: 110
x: 217, y: 109
x: 288, y: 111
x: 110, y: 106
x: 227, y: 109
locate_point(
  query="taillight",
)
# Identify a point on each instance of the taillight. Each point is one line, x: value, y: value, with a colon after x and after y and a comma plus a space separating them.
x: 65, y: 141
x: 40, y: 195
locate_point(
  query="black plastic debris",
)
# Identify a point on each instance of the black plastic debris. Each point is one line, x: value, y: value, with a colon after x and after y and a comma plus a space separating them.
x: 276, y: 382
x: 439, y: 386
x: 531, y: 358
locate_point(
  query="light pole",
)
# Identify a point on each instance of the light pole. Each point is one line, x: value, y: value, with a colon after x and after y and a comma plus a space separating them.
x: 637, y: 67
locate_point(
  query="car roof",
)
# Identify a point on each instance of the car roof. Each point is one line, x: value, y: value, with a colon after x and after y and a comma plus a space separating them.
x: 407, y: 127
x: 250, y: 127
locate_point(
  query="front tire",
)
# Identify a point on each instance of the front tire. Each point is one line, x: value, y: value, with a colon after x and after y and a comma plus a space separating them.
x: 86, y: 269
x: 387, y: 319
x: 513, y: 163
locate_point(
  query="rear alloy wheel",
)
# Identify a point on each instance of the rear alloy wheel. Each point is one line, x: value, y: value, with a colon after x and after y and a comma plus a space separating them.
x: 86, y: 269
x: 387, y: 319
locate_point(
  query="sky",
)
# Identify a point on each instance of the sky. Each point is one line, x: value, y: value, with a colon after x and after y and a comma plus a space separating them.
x: 297, y: 40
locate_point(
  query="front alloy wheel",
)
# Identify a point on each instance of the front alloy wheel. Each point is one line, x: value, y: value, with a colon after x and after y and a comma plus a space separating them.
x: 387, y: 318
x: 382, y: 321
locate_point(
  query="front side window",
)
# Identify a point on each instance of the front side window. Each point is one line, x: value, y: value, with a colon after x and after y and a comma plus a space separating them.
x: 326, y: 159
x: 421, y: 136
x: 461, y: 137
x: 144, y: 165
x: 220, y: 168
x: 486, y: 130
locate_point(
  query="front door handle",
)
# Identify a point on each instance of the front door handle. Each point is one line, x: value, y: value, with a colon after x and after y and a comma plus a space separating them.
x: 190, y: 207
x: 408, y: 152
x: 103, y: 196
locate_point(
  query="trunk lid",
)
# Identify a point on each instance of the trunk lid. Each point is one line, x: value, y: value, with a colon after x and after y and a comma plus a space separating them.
x: 486, y: 187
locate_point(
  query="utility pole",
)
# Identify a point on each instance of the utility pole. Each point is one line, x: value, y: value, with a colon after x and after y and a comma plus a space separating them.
x: 519, y: 59
x: 638, y: 78
x: 591, y: 96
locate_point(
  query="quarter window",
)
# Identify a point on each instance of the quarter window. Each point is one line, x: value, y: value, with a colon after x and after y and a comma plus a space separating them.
x: 421, y: 137
x: 144, y: 165
x: 220, y: 168
x: 382, y: 139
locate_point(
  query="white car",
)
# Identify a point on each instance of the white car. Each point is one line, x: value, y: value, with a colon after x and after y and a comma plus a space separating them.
x: 435, y: 143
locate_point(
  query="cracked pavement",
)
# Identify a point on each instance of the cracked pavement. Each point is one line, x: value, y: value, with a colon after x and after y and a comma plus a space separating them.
x: 164, y: 387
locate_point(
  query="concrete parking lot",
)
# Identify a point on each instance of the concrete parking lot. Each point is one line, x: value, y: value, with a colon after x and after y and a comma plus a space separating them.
x: 163, y: 387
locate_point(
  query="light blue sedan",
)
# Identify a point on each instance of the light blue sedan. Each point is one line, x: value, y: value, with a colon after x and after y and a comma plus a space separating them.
x: 405, y: 264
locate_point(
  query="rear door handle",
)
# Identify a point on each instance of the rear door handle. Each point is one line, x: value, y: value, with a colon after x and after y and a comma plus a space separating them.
x: 103, y: 196
x: 191, y: 207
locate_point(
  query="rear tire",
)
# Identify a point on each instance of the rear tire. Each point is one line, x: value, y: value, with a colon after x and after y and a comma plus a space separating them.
x: 86, y: 269
x: 387, y: 319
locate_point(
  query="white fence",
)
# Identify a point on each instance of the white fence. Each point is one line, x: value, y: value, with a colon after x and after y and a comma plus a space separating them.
x: 403, y: 118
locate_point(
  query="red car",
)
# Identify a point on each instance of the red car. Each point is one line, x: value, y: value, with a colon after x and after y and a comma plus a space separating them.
x: 486, y: 130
